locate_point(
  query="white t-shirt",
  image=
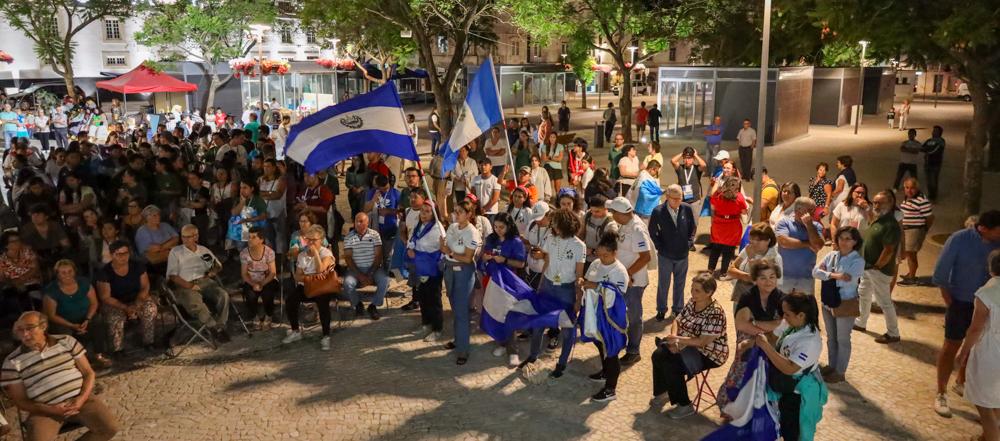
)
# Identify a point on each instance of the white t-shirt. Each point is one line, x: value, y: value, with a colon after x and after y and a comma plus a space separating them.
x: 802, y: 347
x: 308, y: 264
x: 616, y: 273
x: 412, y: 219
x: 631, y: 166
x: 500, y: 156
x: 587, y: 176
x: 564, y: 254
x: 779, y: 212
x: 464, y: 171
x: 633, y: 239
x: 537, y: 236
x: 852, y: 216
x: 459, y: 239
x: 429, y: 242
x: 484, y: 188
x: 520, y: 216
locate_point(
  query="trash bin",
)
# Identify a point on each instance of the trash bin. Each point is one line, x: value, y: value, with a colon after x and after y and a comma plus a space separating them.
x: 599, y: 134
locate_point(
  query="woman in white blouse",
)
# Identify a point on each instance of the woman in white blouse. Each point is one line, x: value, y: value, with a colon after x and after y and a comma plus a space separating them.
x: 459, y: 246
x: 423, y: 248
x: 628, y: 166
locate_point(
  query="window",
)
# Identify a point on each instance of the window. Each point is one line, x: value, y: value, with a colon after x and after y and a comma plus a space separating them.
x: 538, y: 50
x: 672, y: 54
x: 515, y: 48
x: 112, y: 29
x: 442, y: 44
x: 114, y: 60
x: 286, y: 35
x: 564, y: 49
x: 310, y: 37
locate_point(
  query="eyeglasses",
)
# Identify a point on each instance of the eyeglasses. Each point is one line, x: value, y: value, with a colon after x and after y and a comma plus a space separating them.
x: 189, y: 236
x: 23, y: 329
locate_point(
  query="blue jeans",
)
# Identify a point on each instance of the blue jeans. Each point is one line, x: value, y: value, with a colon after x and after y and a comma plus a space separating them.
x: 677, y: 269
x: 459, y: 278
x: 633, y: 304
x: 710, y: 151
x: 566, y: 294
x: 838, y: 339
x: 435, y: 140
x: 8, y: 137
x: 352, y: 281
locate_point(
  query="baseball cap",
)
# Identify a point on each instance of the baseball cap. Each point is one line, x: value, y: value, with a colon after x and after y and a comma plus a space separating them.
x: 525, y: 169
x: 688, y: 151
x: 620, y: 204
x: 538, y: 211
x: 721, y: 155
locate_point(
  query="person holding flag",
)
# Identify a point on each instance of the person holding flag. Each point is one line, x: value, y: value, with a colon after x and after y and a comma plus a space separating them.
x: 423, y: 253
x: 479, y: 113
x: 604, y: 318
x: 460, y: 246
x: 504, y: 246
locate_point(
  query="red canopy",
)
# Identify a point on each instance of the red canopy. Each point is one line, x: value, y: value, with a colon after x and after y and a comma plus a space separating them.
x: 144, y: 80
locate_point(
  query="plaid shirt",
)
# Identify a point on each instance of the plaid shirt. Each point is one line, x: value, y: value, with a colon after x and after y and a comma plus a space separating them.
x: 711, y: 321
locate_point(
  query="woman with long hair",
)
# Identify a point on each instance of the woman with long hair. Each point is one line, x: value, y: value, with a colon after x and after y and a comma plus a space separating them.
x: 600, y: 184
x: 504, y: 246
x: 459, y: 246
x: 787, y: 194
x: 855, y: 211
x: 519, y: 209
x: 423, y: 250
x: 552, y: 156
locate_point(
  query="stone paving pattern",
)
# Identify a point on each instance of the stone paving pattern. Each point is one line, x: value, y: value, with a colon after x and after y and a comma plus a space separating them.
x: 379, y: 382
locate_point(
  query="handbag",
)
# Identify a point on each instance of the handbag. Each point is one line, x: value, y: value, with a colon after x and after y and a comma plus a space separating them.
x: 848, y: 308
x: 829, y: 292
x: 327, y: 282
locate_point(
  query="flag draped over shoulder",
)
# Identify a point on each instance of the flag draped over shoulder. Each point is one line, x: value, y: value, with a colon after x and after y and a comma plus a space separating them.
x: 648, y: 197
x: 480, y: 111
x: 604, y: 318
x: 509, y: 304
x: 370, y: 122
x: 754, y: 417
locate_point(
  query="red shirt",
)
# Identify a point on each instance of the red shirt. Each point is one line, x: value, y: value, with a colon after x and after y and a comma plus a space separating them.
x: 220, y: 119
x: 380, y: 168
x: 727, y: 227
x: 641, y: 115
x: 318, y: 196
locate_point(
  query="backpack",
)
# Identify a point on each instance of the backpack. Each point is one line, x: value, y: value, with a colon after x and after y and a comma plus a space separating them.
x: 600, y: 228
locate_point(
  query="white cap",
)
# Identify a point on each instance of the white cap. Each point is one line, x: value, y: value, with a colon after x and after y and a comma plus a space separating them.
x: 620, y: 204
x: 721, y: 155
x: 538, y: 211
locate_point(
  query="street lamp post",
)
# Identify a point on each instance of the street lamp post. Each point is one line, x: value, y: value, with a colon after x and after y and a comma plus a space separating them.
x: 336, y: 95
x: 259, y: 30
x: 861, y: 86
x: 628, y: 76
x: 758, y: 157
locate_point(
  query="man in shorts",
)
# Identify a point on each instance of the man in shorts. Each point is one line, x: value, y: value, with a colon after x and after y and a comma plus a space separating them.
x: 918, y: 217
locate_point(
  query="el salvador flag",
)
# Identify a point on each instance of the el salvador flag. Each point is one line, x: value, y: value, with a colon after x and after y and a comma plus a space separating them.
x: 754, y: 417
x: 371, y: 122
x: 509, y: 304
x: 480, y: 111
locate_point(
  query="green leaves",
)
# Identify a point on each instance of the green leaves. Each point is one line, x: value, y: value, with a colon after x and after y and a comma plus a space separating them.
x: 212, y: 31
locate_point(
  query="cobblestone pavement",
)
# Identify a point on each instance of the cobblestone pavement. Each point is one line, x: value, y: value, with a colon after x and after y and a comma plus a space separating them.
x: 379, y: 382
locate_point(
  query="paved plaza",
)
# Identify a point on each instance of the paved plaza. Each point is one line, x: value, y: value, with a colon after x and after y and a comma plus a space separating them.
x: 380, y: 382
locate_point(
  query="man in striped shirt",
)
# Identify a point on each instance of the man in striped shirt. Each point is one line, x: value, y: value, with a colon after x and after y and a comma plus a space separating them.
x: 363, y: 254
x: 49, y: 377
x: 918, y: 217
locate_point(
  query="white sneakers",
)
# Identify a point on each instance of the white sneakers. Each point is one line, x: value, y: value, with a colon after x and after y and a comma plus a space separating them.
x: 514, y: 360
x: 499, y: 351
x: 324, y: 343
x: 941, y: 405
x: 422, y: 330
x: 292, y: 337
x: 433, y: 337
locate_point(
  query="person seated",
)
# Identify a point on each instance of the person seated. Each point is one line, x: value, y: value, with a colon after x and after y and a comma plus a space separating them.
x: 70, y: 305
x: 20, y: 275
x: 314, y: 259
x: 191, y: 269
x: 46, y: 237
x: 123, y: 288
x: 155, y: 240
x: 697, y: 343
x: 58, y: 390
x: 363, y: 255
x: 259, y: 273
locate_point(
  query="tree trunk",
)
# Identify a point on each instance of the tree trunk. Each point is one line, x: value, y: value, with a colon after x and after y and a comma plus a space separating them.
x: 209, y: 99
x: 67, y: 68
x: 583, y: 95
x: 625, y: 105
x: 975, y: 141
x: 993, y: 137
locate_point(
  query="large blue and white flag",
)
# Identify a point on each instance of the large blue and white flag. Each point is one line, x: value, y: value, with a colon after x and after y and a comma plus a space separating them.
x: 480, y: 111
x: 754, y: 417
x: 509, y: 304
x: 370, y: 122
x: 604, y: 318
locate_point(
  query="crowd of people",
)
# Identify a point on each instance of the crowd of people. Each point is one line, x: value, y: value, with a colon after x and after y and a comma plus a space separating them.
x: 97, y: 226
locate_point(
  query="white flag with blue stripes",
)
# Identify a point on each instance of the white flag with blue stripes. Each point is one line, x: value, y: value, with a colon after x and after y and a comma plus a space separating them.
x: 480, y: 111
x: 371, y: 122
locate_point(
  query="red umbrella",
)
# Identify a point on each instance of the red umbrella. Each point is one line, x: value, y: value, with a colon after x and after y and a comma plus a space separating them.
x: 145, y: 80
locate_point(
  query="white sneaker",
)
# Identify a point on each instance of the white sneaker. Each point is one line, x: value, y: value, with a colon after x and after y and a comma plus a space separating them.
x: 432, y: 337
x: 324, y: 344
x: 514, y: 360
x: 422, y: 330
x: 292, y: 337
x: 941, y: 405
x: 499, y: 351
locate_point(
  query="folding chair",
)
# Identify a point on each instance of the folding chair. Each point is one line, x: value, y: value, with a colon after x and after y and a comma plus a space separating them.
x: 703, y: 388
x: 185, y: 319
x: 232, y: 305
x: 22, y: 421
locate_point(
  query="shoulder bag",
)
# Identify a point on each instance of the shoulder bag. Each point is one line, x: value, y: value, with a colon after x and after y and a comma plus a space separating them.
x: 327, y: 282
x: 829, y: 292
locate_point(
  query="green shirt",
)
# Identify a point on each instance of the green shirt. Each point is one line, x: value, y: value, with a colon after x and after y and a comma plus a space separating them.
x: 884, y: 232
x: 613, y: 156
x: 254, y: 128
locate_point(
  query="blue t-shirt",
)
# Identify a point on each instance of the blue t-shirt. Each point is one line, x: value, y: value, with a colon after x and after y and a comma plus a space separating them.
x: 714, y: 139
x: 9, y: 116
x: 797, y: 263
x: 961, y: 267
x: 512, y: 248
x: 386, y: 223
x: 145, y: 237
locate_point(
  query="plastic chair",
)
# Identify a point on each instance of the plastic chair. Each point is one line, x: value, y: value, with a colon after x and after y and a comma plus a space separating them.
x: 703, y: 390
x: 187, y: 320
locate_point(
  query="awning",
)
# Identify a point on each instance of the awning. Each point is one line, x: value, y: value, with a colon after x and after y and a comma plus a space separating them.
x: 145, y: 80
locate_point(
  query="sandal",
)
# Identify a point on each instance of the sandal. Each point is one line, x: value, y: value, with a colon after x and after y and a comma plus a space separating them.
x: 461, y: 360
x: 450, y: 345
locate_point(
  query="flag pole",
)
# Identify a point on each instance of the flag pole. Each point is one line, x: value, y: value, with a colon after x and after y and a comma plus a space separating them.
x: 420, y: 167
x: 427, y: 188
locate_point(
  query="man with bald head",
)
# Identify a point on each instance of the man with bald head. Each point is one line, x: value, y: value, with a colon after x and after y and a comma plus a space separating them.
x: 49, y: 377
x: 191, y: 269
x: 363, y: 254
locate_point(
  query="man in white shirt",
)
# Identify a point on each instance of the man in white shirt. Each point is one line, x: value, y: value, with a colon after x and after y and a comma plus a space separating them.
x: 191, y: 269
x: 634, y: 247
x: 235, y: 144
x: 747, y: 140
x: 363, y: 254
x: 496, y: 152
x: 486, y: 187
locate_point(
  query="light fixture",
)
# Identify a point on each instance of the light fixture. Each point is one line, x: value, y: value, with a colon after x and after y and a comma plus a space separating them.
x: 526, y: 113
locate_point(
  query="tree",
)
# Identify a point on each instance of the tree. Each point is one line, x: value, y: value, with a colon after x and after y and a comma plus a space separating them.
x: 38, y: 20
x: 964, y: 35
x: 431, y: 24
x: 209, y: 31
x: 613, y: 27
x: 578, y: 55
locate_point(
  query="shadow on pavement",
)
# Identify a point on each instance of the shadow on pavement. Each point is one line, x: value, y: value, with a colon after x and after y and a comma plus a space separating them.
x: 865, y: 414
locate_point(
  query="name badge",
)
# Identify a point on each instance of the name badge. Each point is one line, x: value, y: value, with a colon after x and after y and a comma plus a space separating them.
x: 688, y: 192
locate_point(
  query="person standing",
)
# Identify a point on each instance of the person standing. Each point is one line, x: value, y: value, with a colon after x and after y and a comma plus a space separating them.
x: 933, y: 160
x: 610, y: 119
x: 252, y: 128
x: 496, y: 152
x: 844, y: 266
x: 918, y: 217
x: 460, y: 245
x: 880, y: 245
x: 904, y: 114
x: 980, y: 355
x: 959, y: 272
x: 654, y: 123
x: 747, y: 140
x: 634, y: 253
x: 434, y: 128
x: 713, y: 140
x: 909, y: 154
x: 10, y: 123
x: 563, y: 114
x: 799, y: 239
x: 641, y: 118
x: 690, y: 168
x: 60, y: 127
x: 672, y: 228
x: 42, y: 129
